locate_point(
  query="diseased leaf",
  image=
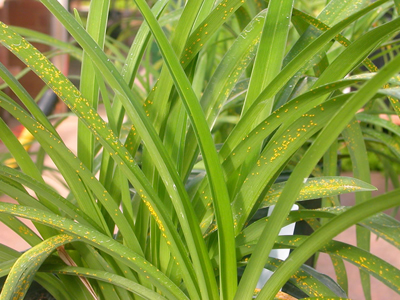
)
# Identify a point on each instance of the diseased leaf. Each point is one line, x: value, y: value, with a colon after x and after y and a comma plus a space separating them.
x: 20, y: 276
x: 104, y: 276
x: 105, y: 243
x: 320, y: 187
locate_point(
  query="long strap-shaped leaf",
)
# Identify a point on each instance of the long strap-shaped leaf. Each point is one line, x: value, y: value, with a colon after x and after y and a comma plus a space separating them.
x: 275, y: 155
x: 267, y: 65
x: 96, y: 27
x: 224, y: 79
x: 388, y: 27
x: 106, y: 277
x: 25, y: 162
x: 319, y: 187
x: 294, y: 65
x: 76, y: 187
x: 360, y: 164
x: 160, y: 158
x: 157, y: 106
x: 45, y: 39
x: 20, y: 276
x: 77, y: 103
x: 233, y: 158
x: 25, y: 98
x: 314, y: 188
x: 100, y: 241
x: 159, y: 110
x: 133, y: 58
x: 21, y: 229
x: 313, y: 154
x: 271, y: 50
x: 51, y: 197
x: 207, y: 28
x: 342, y: 40
x: 291, y: 110
x: 228, y: 278
x: 242, y: 128
x: 364, y: 260
x: 381, y: 224
x: 55, y: 147
x: 310, y: 281
x: 319, y: 240
x: 221, y: 199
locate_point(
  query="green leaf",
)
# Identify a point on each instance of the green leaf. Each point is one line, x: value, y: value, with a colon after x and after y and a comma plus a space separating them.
x: 54, y: 286
x: 225, y: 78
x: 313, y: 188
x: 397, y: 5
x: 207, y: 28
x: 319, y: 187
x: 324, y: 234
x: 270, y: 53
x: 274, y: 156
x: 21, y: 229
x: 234, y: 157
x: 7, y: 253
x: 20, y: 276
x: 378, y: 121
x: 25, y: 98
x: 310, y: 281
x: 18, y: 151
x: 135, y: 112
x: 106, y: 277
x: 125, y: 161
x: 96, y: 28
x: 391, y: 142
x: 313, y: 154
x: 366, y: 261
x: 359, y: 158
x: 132, y: 62
x: 385, y: 227
x: 228, y: 271
x: 100, y: 241
x: 380, y: 224
x: 5, y: 266
x: 296, y: 64
x: 39, y: 37
x: 48, y: 196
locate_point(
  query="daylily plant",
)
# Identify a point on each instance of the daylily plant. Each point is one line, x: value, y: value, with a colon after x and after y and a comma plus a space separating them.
x: 206, y: 105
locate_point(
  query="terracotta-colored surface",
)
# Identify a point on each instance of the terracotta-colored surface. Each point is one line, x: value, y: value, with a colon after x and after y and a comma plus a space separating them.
x: 28, y: 14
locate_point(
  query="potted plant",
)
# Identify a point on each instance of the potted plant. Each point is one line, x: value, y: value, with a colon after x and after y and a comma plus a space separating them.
x: 161, y: 194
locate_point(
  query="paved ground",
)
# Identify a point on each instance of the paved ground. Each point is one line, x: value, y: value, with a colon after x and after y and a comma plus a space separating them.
x: 378, y: 247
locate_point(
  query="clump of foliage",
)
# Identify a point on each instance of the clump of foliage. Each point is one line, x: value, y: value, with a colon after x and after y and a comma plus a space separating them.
x: 206, y: 107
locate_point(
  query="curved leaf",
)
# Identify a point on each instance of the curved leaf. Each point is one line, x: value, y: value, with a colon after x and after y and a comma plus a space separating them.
x: 39, y: 37
x: 136, y: 113
x: 20, y: 277
x: 319, y: 187
x: 159, y: 213
x: 324, y: 234
x: 310, y: 281
x: 378, y: 121
x: 104, y: 276
x: 100, y: 241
